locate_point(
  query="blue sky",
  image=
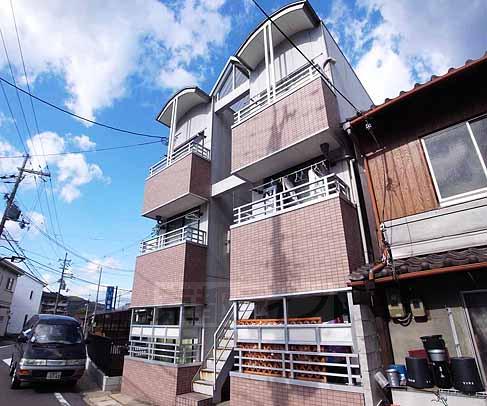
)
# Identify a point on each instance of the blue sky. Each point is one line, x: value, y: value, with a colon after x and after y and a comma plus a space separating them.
x: 119, y: 62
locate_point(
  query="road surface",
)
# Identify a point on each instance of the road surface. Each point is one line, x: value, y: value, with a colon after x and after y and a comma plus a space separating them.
x: 38, y: 394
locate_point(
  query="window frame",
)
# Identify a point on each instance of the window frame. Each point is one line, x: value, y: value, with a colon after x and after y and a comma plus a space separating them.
x: 461, y: 197
x: 10, y: 284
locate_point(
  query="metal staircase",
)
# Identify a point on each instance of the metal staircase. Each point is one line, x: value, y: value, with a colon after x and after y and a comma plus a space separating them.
x: 218, y: 362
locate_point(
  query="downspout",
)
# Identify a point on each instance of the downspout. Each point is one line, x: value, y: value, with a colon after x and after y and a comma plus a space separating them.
x: 382, y: 264
x: 359, y: 210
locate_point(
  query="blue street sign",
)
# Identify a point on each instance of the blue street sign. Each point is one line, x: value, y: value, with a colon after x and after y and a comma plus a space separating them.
x: 109, y: 298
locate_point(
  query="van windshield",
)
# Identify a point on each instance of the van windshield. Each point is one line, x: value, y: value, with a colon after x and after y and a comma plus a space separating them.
x: 57, y: 333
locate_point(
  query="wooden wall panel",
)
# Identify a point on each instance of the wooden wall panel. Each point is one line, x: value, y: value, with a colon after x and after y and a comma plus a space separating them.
x: 401, y: 181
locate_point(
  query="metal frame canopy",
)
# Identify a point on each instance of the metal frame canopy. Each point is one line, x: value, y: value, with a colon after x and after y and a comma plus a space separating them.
x: 187, y: 98
x: 291, y: 19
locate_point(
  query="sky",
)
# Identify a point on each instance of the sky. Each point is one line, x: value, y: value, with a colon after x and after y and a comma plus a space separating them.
x: 118, y: 62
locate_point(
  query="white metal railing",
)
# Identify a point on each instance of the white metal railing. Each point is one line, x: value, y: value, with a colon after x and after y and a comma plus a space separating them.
x: 298, y: 351
x: 283, y: 87
x: 300, y: 364
x: 321, y: 189
x: 165, y: 343
x: 191, y: 147
x: 188, y: 233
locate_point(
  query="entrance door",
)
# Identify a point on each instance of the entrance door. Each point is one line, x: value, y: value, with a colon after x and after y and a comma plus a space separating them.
x: 475, y: 303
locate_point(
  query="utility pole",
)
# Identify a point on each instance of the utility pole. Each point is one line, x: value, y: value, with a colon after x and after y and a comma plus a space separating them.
x: 61, y: 282
x: 115, y: 298
x: 11, y: 197
x: 97, y: 289
x: 86, y: 314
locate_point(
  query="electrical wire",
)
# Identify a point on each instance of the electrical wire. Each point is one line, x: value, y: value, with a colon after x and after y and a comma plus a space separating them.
x: 108, y: 126
x: 84, y: 152
x: 37, y: 127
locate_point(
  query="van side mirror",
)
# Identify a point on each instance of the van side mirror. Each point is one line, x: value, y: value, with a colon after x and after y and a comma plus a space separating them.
x: 22, y: 338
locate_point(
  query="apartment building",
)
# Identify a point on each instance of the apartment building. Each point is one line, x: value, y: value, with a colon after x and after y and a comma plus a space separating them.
x: 242, y: 292
x: 48, y: 304
x: 424, y: 157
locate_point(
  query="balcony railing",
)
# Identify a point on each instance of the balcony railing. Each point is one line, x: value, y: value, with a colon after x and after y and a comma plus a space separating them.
x: 164, y: 343
x: 189, y: 148
x: 283, y: 88
x: 317, y: 352
x: 321, y: 189
x: 184, y: 234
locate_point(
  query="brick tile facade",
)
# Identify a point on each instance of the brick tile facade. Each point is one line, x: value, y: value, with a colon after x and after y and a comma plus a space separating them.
x: 250, y: 392
x: 157, y: 384
x: 188, y: 175
x: 172, y: 275
x: 294, y: 118
x: 307, y: 249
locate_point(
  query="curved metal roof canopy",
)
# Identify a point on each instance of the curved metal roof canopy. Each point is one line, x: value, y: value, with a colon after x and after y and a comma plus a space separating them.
x: 291, y: 19
x: 188, y: 98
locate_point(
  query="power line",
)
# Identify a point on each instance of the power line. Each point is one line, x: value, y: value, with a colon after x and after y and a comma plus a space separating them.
x: 83, y: 152
x: 72, y: 252
x: 110, y: 127
x: 316, y: 68
x: 37, y: 126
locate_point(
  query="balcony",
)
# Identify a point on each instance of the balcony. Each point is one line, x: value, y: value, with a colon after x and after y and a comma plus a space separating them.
x: 177, y: 341
x: 309, y: 340
x: 171, y: 269
x: 184, y: 234
x: 285, y: 126
x: 290, y: 199
x: 303, y: 239
x: 178, y: 184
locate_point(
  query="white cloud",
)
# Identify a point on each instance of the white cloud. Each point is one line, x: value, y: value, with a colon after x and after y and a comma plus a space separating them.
x: 395, y: 43
x: 97, y: 47
x: 177, y: 78
x: 71, y: 170
x: 35, y: 218
x: 84, y: 142
x: 4, y: 119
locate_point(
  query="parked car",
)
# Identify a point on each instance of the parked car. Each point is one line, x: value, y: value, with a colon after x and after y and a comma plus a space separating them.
x: 51, y: 348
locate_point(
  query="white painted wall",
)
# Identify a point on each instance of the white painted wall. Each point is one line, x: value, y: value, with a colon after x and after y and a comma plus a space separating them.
x: 5, y: 297
x: 195, y: 120
x: 345, y: 79
x: 448, y: 228
x: 23, y: 304
x: 287, y: 59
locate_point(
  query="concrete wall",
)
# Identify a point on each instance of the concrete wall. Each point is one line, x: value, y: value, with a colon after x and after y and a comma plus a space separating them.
x: 308, y: 249
x: 437, y: 293
x: 23, y: 304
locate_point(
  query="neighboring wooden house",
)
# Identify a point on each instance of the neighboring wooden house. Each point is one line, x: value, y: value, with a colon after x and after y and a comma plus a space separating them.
x: 423, y: 156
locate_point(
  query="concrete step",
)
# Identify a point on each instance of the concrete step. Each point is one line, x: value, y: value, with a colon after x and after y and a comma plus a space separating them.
x: 210, y: 363
x: 204, y: 387
x: 194, y: 399
x: 207, y: 375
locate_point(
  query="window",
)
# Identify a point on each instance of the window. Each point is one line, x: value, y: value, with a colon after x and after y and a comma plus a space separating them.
x: 10, y: 284
x: 31, y: 293
x: 457, y: 158
x: 57, y: 333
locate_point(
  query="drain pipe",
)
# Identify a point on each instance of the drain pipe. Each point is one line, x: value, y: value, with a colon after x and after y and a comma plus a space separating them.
x: 359, y: 209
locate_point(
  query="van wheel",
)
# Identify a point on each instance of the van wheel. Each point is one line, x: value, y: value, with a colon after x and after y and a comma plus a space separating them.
x: 15, y: 382
x: 12, y: 367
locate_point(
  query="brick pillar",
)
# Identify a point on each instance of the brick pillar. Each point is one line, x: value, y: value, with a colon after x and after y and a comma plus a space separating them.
x: 368, y: 349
